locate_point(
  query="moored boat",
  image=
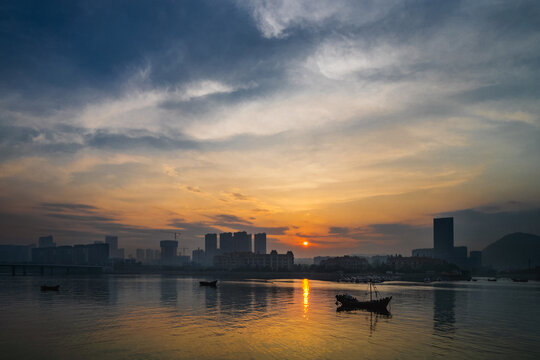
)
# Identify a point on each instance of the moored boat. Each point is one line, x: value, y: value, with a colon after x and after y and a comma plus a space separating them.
x: 50, y: 288
x: 208, y: 283
x: 349, y: 302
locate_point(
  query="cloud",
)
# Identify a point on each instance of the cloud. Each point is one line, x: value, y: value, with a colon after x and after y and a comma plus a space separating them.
x: 227, y: 219
x: 336, y: 230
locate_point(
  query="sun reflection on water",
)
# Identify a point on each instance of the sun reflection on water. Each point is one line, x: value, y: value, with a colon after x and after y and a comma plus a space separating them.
x: 305, y: 288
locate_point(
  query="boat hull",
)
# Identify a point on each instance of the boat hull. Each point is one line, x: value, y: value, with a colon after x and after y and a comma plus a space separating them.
x: 349, y: 303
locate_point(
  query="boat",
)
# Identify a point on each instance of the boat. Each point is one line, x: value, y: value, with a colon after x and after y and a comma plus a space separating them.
x: 494, y: 279
x: 208, y: 283
x: 50, y: 288
x: 349, y: 302
x: 519, y: 280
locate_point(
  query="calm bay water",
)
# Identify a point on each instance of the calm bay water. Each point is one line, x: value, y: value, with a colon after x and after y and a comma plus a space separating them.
x: 164, y: 317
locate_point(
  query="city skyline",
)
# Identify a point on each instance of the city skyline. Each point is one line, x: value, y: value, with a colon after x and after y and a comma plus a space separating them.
x: 346, y: 125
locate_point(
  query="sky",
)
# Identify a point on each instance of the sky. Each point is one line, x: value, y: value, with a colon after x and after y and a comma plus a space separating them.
x: 346, y: 124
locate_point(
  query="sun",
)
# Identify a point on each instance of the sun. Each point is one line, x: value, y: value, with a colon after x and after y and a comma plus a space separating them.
x: 305, y: 243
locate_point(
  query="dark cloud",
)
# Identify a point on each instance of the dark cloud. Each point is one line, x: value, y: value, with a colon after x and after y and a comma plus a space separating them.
x: 228, y: 219
x: 68, y: 206
x: 336, y: 230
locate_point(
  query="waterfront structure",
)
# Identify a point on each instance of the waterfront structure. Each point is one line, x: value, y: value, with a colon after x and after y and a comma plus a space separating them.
x: 92, y: 254
x: 16, y: 253
x: 46, y: 241
x: 249, y: 260
x: 226, y: 243
x: 443, y: 238
x: 242, y: 242
x: 259, y: 245
x: 412, y: 263
x: 348, y: 263
x: 169, y: 249
x: 426, y: 252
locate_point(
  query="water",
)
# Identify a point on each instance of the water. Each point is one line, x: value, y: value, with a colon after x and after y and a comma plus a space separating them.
x: 165, y: 317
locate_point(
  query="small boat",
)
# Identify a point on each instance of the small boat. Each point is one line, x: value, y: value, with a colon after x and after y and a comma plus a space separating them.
x: 50, y: 288
x: 494, y: 279
x: 349, y: 302
x: 519, y: 280
x: 208, y: 283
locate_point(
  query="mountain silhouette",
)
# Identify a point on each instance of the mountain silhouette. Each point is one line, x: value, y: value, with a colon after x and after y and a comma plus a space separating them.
x: 512, y: 252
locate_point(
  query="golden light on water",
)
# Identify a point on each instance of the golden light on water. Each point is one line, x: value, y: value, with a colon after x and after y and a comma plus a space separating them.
x: 305, y: 288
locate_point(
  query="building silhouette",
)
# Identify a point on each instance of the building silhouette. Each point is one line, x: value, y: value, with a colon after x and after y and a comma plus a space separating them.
x: 140, y: 255
x: 198, y: 256
x: 46, y: 241
x: 226, y: 243
x: 210, y: 248
x: 16, y: 253
x: 91, y: 254
x: 249, y: 260
x: 242, y: 242
x: 475, y: 259
x: 114, y: 251
x: 427, y: 253
x: 260, y: 243
x: 443, y: 238
x: 169, y: 249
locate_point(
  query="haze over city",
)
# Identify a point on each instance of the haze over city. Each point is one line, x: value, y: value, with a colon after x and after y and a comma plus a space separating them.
x: 335, y: 127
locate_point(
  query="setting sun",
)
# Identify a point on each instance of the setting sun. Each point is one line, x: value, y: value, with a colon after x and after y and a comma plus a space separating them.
x: 306, y: 243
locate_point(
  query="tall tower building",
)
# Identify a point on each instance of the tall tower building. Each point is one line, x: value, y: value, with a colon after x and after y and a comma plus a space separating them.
x: 443, y: 238
x: 242, y: 242
x: 226, y: 243
x: 260, y: 243
x: 210, y: 248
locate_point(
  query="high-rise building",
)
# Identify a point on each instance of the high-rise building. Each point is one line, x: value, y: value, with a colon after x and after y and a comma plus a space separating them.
x: 46, y: 241
x: 242, y: 242
x: 226, y: 243
x: 210, y: 248
x: 169, y: 249
x: 210, y: 244
x: 260, y: 243
x: 443, y: 238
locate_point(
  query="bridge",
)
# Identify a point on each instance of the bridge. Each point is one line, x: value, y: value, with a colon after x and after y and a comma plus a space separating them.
x: 23, y: 268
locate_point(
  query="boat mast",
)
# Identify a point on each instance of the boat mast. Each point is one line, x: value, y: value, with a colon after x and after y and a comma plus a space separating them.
x: 370, y: 295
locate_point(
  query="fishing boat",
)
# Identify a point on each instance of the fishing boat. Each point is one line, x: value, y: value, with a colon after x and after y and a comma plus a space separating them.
x: 50, y: 288
x: 349, y: 302
x: 208, y: 283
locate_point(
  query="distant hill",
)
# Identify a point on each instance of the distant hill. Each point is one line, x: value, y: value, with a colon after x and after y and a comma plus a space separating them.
x: 513, y: 251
